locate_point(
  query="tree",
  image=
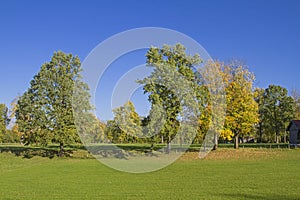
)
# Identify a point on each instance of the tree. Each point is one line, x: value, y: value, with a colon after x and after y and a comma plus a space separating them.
x: 235, y: 82
x: 112, y: 131
x: 90, y: 129
x: 296, y: 96
x: 169, y: 63
x: 13, y: 135
x: 242, y: 110
x: 151, y: 125
x: 4, y: 120
x: 128, y: 123
x: 204, y: 122
x: 259, y: 98
x: 44, y: 112
x: 212, y: 118
x: 99, y: 128
x: 276, y: 110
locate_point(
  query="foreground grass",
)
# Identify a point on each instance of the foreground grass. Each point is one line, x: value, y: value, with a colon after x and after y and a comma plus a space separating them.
x: 224, y: 174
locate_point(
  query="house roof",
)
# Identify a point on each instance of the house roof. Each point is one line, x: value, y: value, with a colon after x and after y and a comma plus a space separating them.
x: 296, y: 122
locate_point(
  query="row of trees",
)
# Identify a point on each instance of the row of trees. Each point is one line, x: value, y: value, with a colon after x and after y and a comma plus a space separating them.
x: 258, y: 114
x: 44, y: 113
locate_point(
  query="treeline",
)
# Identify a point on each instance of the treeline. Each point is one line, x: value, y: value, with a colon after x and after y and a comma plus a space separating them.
x: 44, y: 113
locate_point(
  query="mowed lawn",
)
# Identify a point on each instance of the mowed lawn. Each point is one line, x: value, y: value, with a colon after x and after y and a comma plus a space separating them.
x: 224, y: 174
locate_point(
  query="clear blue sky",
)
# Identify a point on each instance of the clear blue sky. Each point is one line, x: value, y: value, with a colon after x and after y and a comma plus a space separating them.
x: 265, y: 34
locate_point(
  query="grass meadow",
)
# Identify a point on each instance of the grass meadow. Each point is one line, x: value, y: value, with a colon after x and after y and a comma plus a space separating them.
x: 248, y: 173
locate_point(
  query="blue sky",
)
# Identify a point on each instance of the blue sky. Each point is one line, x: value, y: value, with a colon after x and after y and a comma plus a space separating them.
x: 265, y: 34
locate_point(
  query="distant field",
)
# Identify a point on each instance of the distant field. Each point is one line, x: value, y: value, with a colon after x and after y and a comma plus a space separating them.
x: 223, y: 174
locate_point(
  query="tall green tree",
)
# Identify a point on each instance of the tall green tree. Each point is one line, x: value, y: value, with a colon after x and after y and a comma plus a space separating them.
x: 4, y: 120
x: 295, y: 94
x: 44, y: 112
x: 276, y: 111
x: 151, y: 125
x: 168, y: 63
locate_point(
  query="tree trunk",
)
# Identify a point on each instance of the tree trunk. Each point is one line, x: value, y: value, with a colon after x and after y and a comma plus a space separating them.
x: 284, y: 136
x: 260, y: 132
x: 181, y: 140
x: 61, y: 149
x: 215, y: 141
x: 151, y: 148
x: 236, y: 141
x: 169, y: 145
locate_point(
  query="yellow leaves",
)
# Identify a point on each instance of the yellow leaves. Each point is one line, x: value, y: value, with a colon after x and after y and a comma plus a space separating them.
x: 242, y: 110
x: 226, y: 134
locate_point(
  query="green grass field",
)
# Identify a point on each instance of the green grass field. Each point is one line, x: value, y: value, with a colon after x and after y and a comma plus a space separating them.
x: 223, y: 174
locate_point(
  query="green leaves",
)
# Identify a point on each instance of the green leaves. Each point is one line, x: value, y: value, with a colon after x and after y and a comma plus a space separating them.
x: 276, y: 109
x: 296, y: 97
x: 4, y: 120
x: 172, y: 86
x: 44, y: 113
x: 128, y: 122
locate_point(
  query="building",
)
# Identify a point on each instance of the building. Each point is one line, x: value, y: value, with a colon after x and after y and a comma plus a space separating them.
x: 294, y: 130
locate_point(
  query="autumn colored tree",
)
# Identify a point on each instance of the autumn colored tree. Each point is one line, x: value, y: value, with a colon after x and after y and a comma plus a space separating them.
x: 235, y: 82
x: 204, y: 122
x: 128, y: 122
x: 242, y: 110
x: 212, y: 118
x: 99, y: 135
x: 112, y: 132
x: 13, y: 134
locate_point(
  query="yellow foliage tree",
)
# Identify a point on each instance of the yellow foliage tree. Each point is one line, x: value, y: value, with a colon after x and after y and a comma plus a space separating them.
x: 241, y: 114
x: 242, y: 110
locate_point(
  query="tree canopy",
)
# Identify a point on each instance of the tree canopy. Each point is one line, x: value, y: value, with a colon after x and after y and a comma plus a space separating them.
x: 242, y: 110
x: 4, y: 120
x: 56, y: 107
x: 276, y: 110
x: 172, y: 85
x: 44, y: 113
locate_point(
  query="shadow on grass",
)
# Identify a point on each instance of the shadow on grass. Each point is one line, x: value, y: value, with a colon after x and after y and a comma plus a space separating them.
x: 79, y: 151
x: 257, y: 196
x: 29, y: 152
x: 125, y: 151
